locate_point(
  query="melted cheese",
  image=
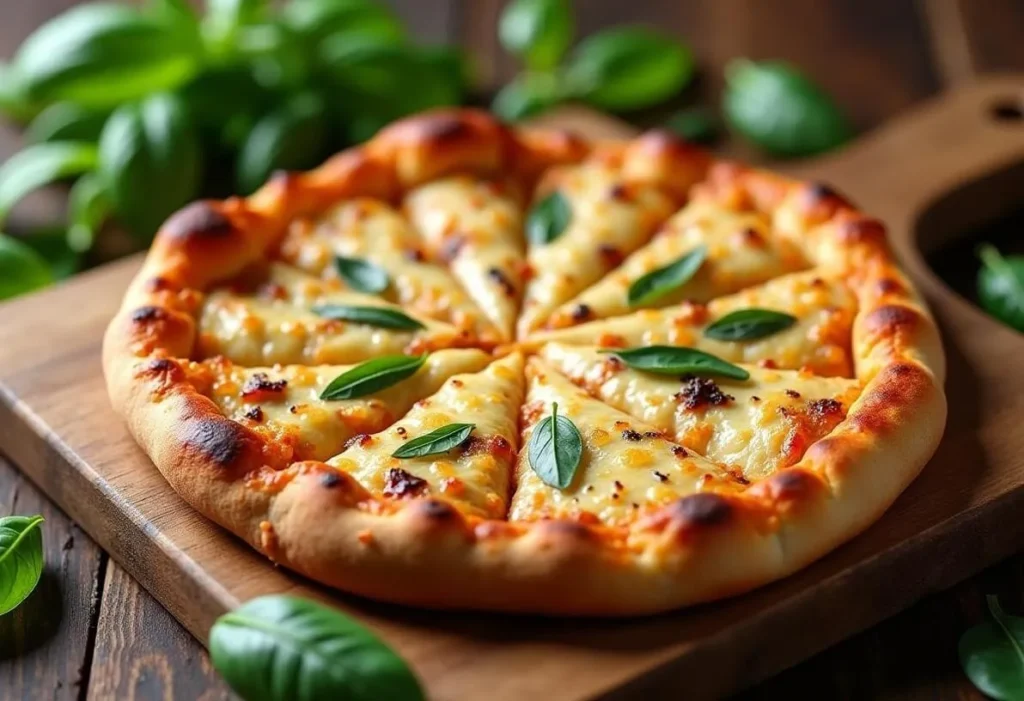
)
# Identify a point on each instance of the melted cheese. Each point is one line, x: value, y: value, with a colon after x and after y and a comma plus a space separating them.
x: 611, y: 218
x: 755, y: 427
x: 819, y: 340
x: 294, y: 417
x: 475, y: 475
x: 373, y: 231
x: 626, y: 469
x: 476, y: 226
x: 741, y: 252
x: 276, y: 324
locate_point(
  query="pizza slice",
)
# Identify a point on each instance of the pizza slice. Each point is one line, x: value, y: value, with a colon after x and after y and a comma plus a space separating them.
x: 701, y: 253
x: 481, y: 409
x: 627, y: 466
x: 754, y: 426
x: 475, y: 226
x: 818, y: 339
x: 370, y: 233
x: 283, y: 315
x: 586, y: 220
x: 283, y: 402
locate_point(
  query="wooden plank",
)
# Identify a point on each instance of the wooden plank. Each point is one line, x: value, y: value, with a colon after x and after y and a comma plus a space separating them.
x: 45, y: 642
x: 143, y: 654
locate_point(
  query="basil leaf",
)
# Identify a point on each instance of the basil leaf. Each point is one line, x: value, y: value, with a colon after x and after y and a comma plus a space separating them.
x: 103, y: 54
x: 658, y: 284
x: 319, y: 19
x: 439, y: 440
x: 150, y: 162
x: 1001, y: 286
x: 548, y: 219
x: 14, y: 101
x: 527, y: 96
x: 282, y: 648
x: 781, y: 110
x: 749, y: 325
x: 66, y: 121
x: 224, y: 103
x: 555, y: 449
x: 51, y: 243
x: 677, y: 360
x: 372, y: 376
x: 21, y: 558
x: 381, y: 317
x: 88, y: 207
x: 697, y: 125
x: 537, y: 31
x: 39, y: 165
x: 362, y: 275
x: 628, y: 68
x: 289, y: 138
x: 992, y: 654
x: 21, y: 268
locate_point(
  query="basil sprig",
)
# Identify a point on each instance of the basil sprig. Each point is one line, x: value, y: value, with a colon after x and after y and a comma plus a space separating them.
x: 362, y: 275
x: 677, y: 360
x: 282, y: 648
x: 992, y: 654
x: 658, y: 284
x: 538, y: 31
x: 749, y: 325
x: 21, y: 559
x: 548, y: 219
x: 22, y: 269
x: 555, y: 449
x: 1001, y: 286
x: 439, y: 440
x: 381, y: 317
x: 372, y: 376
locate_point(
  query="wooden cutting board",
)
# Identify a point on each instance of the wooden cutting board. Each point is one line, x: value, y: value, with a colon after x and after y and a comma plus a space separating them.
x: 935, y: 173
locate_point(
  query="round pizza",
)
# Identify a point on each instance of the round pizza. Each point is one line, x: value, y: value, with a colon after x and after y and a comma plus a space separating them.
x: 466, y: 365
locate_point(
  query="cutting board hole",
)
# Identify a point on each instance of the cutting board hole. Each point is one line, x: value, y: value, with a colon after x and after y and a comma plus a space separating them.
x: 1007, y: 110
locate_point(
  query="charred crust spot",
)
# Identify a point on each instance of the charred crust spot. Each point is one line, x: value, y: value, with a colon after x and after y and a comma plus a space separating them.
x: 159, y: 284
x: 617, y: 192
x: 399, y: 484
x: 891, y: 319
x: 822, y: 192
x: 825, y: 408
x: 581, y: 313
x: 401, y: 431
x: 161, y: 366
x: 444, y: 128
x: 199, y: 220
x: 889, y: 286
x: 611, y: 255
x: 619, y: 486
x: 699, y: 392
x: 703, y: 510
x: 330, y: 480
x: 501, y: 279
x: 631, y: 435
x: 221, y: 441
x: 438, y: 510
x: 680, y: 452
x: 260, y: 383
x: 362, y: 440
x: 495, y: 445
x: 254, y: 414
x: 792, y: 394
x: 792, y: 484
x: 148, y: 314
x: 652, y: 434
x: 863, y: 230
x: 415, y: 255
x: 662, y: 477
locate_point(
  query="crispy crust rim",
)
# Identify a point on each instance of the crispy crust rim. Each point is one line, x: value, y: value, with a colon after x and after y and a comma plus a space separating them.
x: 322, y: 523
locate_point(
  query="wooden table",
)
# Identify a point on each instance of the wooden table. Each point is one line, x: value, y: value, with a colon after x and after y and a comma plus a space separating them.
x: 90, y: 631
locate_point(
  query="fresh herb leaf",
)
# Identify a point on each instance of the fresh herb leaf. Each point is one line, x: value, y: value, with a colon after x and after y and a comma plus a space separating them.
x: 88, y: 207
x: 52, y: 244
x: 1001, y: 286
x: 658, y: 284
x: 697, y: 125
x: 41, y: 165
x: 628, y: 68
x: 66, y: 121
x: 548, y: 219
x: 555, y: 449
x: 381, y: 317
x: 21, y: 558
x: 372, y: 376
x: 749, y: 325
x: 992, y: 654
x: 291, y: 137
x: 21, y: 268
x: 362, y: 275
x: 781, y: 110
x: 440, y: 440
x: 538, y: 31
x: 14, y: 101
x: 527, y: 96
x: 318, y: 19
x: 282, y: 648
x: 677, y: 360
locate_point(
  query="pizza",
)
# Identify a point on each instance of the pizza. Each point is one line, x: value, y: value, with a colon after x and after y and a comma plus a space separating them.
x: 466, y: 365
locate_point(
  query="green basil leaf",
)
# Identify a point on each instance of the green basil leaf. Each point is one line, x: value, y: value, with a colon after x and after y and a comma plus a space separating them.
x: 362, y: 275
x: 289, y: 138
x: 88, y: 207
x: 381, y: 317
x: 440, y: 440
x: 781, y: 110
x: 282, y: 648
x: 677, y: 360
x: 224, y: 103
x: 21, y: 557
x: 14, y: 101
x: 319, y: 19
x: 1001, y: 286
x: 548, y: 219
x: 103, y: 54
x: 698, y: 125
x: 150, y: 162
x: 66, y: 121
x: 555, y: 449
x: 51, y: 243
x: 749, y: 325
x: 658, y: 284
x: 21, y: 268
x: 992, y: 654
x: 373, y: 376
x: 39, y: 165
x: 527, y: 96
x: 629, y: 68
x: 538, y: 31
